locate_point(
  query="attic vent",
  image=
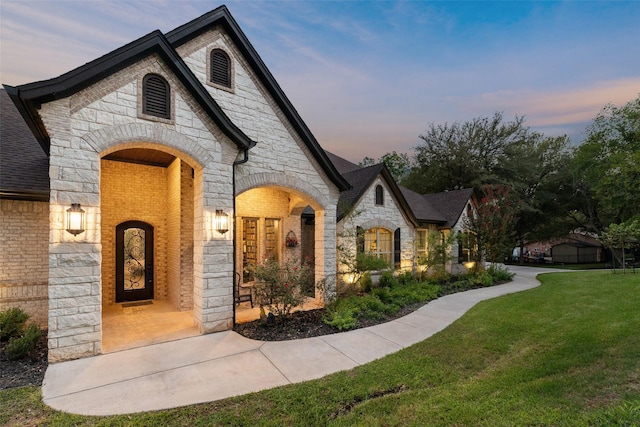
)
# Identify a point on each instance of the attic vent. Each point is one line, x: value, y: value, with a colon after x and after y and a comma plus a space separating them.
x: 156, y: 96
x: 220, y: 68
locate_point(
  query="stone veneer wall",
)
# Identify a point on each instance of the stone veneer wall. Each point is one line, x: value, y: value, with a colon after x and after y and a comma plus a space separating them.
x: 24, y: 257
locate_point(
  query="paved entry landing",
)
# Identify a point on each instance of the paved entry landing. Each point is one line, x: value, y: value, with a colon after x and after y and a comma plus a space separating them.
x: 142, y: 323
x: 210, y: 367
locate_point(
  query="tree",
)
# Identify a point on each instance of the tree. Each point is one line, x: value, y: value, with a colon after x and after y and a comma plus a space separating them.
x: 464, y: 155
x: 620, y: 237
x: 397, y: 163
x: 490, y: 228
x: 606, y: 169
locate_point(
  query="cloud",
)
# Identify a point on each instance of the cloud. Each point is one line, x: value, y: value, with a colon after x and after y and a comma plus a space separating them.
x: 562, y: 107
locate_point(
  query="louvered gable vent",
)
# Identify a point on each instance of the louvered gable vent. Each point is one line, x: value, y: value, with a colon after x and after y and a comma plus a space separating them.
x: 220, y: 68
x: 157, y: 98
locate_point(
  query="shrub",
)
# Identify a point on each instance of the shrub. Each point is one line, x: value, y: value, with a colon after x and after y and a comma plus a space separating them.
x: 20, y: 347
x: 279, y: 285
x: 12, y: 323
x: 500, y: 274
x: 366, y: 283
x: 406, y: 278
x: 387, y: 279
x: 341, y: 319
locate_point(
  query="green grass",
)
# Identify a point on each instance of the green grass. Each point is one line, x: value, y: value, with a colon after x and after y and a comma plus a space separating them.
x: 564, y: 354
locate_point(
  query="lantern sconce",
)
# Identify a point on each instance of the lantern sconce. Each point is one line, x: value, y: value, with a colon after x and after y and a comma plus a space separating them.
x: 76, y: 219
x: 221, y: 221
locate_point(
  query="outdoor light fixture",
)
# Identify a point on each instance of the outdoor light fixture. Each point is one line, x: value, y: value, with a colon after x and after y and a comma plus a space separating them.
x: 221, y: 221
x: 75, y: 219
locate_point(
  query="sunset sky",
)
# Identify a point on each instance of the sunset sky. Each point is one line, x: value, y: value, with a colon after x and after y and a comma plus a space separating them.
x: 369, y: 77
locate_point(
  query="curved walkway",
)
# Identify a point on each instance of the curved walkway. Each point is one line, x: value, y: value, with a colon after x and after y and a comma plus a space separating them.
x: 216, y: 366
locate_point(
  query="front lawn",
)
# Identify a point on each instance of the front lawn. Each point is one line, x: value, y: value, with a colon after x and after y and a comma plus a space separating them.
x: 565, y: 353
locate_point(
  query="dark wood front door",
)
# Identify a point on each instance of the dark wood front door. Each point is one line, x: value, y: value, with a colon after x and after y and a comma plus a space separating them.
x: 134, y: 261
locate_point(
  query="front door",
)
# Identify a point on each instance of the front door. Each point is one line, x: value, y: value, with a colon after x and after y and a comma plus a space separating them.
x: 134, y: 261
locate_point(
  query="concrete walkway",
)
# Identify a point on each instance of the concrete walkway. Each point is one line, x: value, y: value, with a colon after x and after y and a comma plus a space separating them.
x: 216, y: 366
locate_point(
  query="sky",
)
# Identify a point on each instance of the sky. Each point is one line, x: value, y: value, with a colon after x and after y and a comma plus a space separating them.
x: 370, y: 77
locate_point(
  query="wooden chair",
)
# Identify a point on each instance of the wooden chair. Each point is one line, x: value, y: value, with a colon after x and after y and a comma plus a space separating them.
x: 243, y: 293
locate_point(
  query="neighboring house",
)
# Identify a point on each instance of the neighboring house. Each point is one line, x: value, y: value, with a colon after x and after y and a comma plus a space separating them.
x: 575, y: 248
x: 575, y: 253
x: 166, y: 169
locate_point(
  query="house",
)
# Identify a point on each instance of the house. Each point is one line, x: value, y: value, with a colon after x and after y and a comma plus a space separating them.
x: 393, y: 221
x: 163, y: 171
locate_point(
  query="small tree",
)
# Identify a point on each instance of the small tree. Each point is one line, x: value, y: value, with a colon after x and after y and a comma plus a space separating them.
x: 492, y: 224
x: 438, y: 252
x: 621, y: 237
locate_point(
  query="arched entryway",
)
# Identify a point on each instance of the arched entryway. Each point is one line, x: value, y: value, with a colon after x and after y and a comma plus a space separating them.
x: 147, y: 228
x: 277, y: 223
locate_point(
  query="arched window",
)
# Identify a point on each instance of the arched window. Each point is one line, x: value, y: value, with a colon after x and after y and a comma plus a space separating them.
x: 379, y: 195
x: 156, y: 96
x: 220, y: 68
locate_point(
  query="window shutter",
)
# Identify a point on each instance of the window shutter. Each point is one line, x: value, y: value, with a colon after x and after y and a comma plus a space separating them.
x: 379, y: 195
x: 156, y: 96
x: 220, y: 68
x: 360, y: 240
x: 397, y: 252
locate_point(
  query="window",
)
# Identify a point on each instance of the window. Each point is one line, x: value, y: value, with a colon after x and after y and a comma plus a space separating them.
x: 260, y: 240
x: 156, y: 96
x: 220, y: 68
x: 379, y: 195
x: 421, y: 243
x: 377, y: 242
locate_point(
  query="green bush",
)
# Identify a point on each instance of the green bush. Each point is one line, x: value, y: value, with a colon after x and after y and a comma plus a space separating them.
x: 500, y: 274
x: 20, y: 347
x: 12, y: 323
x: 406, y: 278
x: 366, y: 283
x: 388, y: 280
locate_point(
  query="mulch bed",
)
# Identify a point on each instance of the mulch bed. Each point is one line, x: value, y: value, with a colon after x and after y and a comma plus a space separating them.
x: 29, y: 371
x: 306, y: 324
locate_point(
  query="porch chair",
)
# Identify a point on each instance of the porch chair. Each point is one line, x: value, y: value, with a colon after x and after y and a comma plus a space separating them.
x: 243, y: 293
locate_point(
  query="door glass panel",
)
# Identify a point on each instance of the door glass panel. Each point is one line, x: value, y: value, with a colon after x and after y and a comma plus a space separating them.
x: 271, y: 238
x: 249, y: 248
x: 134, y: 259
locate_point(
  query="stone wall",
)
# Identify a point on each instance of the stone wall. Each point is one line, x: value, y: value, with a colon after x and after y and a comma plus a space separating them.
x: 24, y: 247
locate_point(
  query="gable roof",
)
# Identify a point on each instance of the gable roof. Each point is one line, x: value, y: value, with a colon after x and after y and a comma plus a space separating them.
x: 29, y: 97
x: 24, y: 167
x: 422, y: 209
x: 360, y: 180
x: 342, y: 165
x: 222, y: 16
x: 450, y: 204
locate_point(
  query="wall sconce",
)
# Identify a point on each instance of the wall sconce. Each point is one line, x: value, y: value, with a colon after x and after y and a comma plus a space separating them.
x: 76, y: 219
x: 221, y: 221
